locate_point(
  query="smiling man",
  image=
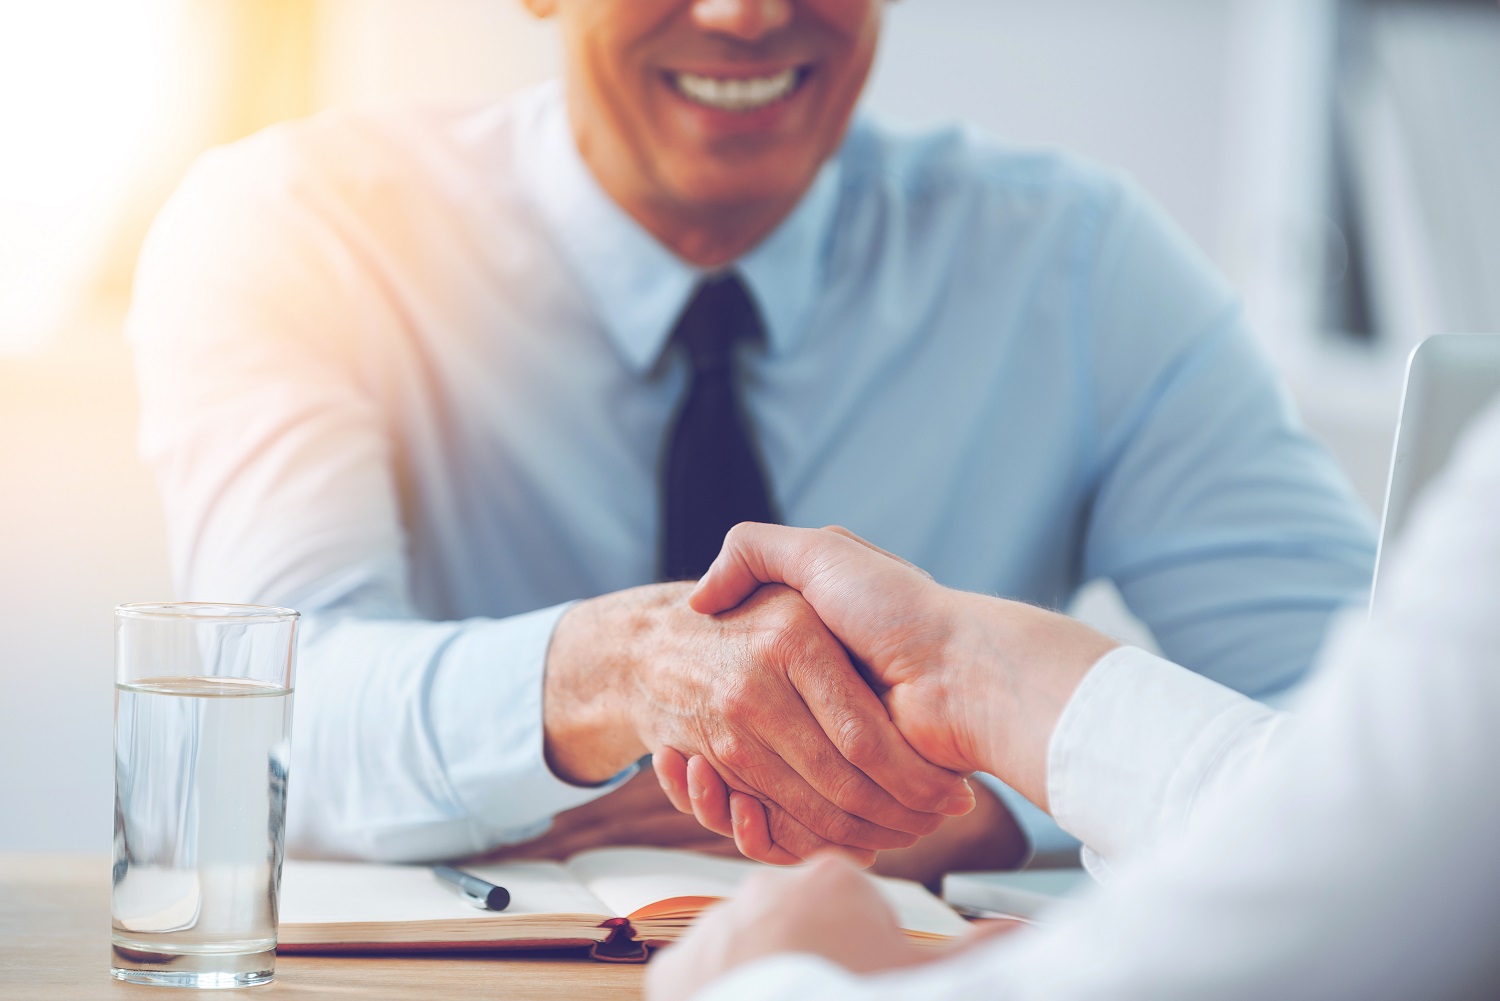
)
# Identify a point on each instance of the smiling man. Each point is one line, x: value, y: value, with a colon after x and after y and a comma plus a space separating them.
x: 478, y: 390
x: 708, y: 122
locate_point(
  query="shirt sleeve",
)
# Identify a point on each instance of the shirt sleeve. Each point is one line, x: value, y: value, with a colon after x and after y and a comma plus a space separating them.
x: 412, y: 739
x: 1137, y: 748
x: 1230, y: 532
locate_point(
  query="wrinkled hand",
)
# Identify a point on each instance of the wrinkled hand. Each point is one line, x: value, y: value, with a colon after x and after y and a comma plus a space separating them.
x: 973, y: 683
x: 987, y: 838
x: 638, y: 813
x: 893, y: 618
x: 769, y: 699
x: 827, y: 908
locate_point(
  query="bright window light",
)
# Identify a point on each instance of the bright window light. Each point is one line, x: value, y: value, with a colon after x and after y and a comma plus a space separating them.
x: 81, y: 87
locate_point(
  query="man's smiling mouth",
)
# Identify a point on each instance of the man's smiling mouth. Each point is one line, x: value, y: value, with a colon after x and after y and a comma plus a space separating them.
x: 737, y: 94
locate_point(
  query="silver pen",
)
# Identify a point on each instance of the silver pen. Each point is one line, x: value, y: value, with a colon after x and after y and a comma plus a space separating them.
x: 482, y: 894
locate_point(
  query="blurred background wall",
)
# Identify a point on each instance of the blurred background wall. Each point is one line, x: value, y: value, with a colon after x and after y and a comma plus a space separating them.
x: 1333, y: 156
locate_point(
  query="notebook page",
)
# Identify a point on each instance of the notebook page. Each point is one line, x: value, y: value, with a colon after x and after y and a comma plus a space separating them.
x: 918, y: 910
x: 630, y: 879
x: 357, y: 892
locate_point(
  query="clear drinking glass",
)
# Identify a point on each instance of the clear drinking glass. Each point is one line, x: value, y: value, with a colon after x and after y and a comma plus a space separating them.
x: 203, y: 713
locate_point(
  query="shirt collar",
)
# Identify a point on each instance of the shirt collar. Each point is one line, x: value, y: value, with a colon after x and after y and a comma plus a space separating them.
x: 638, y: 287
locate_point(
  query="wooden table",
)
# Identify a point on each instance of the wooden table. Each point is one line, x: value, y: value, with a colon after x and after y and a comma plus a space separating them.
x: 54, y: 943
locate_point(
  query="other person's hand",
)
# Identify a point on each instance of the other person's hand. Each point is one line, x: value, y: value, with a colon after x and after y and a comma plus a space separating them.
x: 827, y: 908
x: 974, y: 683
x: 765, y: 695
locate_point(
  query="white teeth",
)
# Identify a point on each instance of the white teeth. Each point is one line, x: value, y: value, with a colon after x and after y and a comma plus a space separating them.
x: 743, y: 94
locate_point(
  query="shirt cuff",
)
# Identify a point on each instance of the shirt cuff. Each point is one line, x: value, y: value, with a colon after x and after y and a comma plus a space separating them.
x: 487, y: 709
x: 1135, y: 747
x: 789, y: 975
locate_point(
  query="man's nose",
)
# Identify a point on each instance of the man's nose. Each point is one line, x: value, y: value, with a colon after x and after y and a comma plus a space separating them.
x: 746, y: 19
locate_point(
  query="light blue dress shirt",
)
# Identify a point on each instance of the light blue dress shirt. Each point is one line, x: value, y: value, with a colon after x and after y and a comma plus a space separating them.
x: 408, y: 374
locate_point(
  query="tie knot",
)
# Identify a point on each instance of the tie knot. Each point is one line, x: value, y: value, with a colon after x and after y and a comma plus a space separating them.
x: 720, y: 314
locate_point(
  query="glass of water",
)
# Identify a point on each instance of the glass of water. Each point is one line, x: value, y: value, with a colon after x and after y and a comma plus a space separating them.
x: 203, y: 714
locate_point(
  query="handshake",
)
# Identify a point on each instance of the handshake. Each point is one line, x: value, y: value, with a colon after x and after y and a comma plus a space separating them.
x: 812, y: 692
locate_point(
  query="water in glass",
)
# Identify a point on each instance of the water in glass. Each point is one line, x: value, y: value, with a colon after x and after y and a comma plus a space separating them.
x: 200, y: 799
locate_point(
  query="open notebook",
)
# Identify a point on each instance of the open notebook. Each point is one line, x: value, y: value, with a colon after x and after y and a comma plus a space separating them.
x: 615, y: 900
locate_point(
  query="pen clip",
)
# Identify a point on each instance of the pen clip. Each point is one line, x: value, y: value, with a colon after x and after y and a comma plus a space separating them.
x: 474, y: 900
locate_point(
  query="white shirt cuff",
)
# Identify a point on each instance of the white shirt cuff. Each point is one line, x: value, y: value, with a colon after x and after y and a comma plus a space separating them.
x: 487, y: 693
x: 1135, y: 748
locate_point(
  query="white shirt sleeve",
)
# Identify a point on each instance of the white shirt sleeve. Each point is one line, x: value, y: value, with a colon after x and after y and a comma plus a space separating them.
x: 412, y: 739
x: 1137, y: 748
x: 1135, y: 751
x: 1344, y: 851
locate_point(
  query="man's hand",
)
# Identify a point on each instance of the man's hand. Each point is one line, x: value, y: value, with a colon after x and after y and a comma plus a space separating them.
x: 638, y: 813
x: 765, y: 695
x: 974, y: 683
x: 635, y: 814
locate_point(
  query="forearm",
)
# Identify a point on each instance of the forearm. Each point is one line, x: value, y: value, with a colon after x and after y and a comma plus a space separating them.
x: 1013, y: 669
x: 1118, y: 745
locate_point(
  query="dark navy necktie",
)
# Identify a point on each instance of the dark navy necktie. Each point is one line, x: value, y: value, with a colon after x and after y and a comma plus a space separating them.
x: 711, y: 476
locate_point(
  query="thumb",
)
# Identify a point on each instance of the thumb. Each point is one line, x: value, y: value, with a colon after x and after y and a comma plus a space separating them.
x: 754, y: 554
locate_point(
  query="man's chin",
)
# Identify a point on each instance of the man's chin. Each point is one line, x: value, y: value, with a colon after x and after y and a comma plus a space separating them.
x: 720, y: 193
x: 727, y: 175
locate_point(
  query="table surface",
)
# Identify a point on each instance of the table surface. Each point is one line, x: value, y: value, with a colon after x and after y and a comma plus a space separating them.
x: 54, y: 943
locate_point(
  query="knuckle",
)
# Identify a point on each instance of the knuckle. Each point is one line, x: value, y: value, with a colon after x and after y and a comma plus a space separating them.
x: 782, y: 649
x: 735, y: 753
x: 783, y: 608
x: 793, y: 642
x: 858, y: 739
x: 784, y: 624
